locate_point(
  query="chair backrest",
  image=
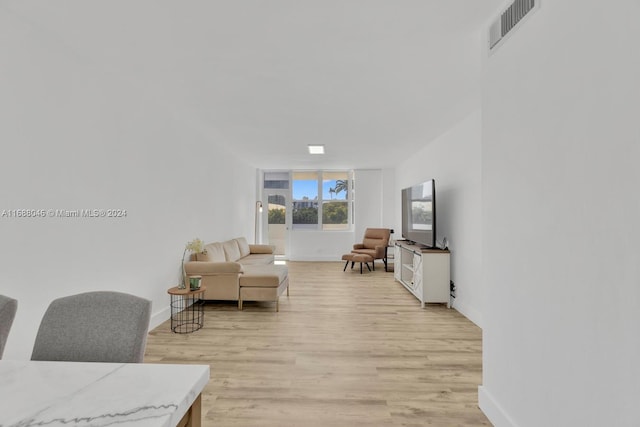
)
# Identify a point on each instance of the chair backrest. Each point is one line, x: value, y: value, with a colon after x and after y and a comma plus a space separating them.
x: 8, y: 307
x: 376, y: 237
x: 94, y: 327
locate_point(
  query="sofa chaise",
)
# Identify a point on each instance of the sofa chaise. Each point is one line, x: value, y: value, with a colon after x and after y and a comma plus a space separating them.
x: 237, y: 271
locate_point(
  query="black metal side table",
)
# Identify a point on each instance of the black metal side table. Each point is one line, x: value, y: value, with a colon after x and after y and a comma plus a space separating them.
x: 187, y: 309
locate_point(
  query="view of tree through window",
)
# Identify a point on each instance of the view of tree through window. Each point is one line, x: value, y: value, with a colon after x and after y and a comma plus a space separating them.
x: 305, y: 200
x: 276, y: 213
x: 320, y: 199
x: 335, y: 196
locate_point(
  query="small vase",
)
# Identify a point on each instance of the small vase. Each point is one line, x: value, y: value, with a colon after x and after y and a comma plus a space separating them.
x: 194, y: 282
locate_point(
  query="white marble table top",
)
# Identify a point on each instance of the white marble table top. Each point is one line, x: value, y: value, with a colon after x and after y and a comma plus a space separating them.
x: 97, y: 394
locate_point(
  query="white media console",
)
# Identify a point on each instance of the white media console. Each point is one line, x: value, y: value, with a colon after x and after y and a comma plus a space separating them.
x: 424, y: 272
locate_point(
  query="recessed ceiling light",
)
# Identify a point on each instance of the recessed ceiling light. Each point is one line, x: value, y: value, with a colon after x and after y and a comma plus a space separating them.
x: 316, y: 149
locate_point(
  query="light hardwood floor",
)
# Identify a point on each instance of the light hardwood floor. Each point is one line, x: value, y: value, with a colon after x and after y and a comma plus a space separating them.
x: 344, y: 350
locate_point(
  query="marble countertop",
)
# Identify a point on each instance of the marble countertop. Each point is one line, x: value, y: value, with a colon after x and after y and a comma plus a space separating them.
x: 97, y: 394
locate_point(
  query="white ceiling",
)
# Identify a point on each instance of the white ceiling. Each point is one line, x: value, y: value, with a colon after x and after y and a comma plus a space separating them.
x: 372, y: 80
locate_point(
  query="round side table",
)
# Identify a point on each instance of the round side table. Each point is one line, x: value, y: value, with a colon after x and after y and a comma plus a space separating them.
x: 187, y: 309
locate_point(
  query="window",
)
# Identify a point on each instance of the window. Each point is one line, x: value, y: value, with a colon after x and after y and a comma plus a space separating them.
x: 305, y: 201
x: 276, y: 180
x: 335, y: 201
x: 321, y: 200
x: 277, y: 209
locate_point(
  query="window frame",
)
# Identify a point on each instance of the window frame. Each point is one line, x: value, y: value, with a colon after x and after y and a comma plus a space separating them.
x: 318, y: 175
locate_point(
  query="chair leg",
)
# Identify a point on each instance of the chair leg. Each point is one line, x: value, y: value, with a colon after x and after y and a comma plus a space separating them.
x: 277, y: 306
x: 344, y: 269
x: 368, y: 266
x: 360, y: 268
x: 352, y: 262
x: 373, y: 263
x: 240, y: 303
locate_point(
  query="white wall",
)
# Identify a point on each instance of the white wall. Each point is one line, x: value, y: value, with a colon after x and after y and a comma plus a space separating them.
x: 561, y: 259
x: 75, y: 136
x: 308, y: 245
x: 368, y: 200
x: 453, y: 160
x: 390, y: 200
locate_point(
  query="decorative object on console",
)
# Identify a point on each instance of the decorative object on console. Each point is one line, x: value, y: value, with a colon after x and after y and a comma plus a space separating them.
x: 196, y: 246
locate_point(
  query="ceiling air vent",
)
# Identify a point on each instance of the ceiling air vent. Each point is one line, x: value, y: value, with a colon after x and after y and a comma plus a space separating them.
x: 509, y: 19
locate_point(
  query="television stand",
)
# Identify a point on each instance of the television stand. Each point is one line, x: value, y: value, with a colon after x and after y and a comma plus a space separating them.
x: 424, y: 272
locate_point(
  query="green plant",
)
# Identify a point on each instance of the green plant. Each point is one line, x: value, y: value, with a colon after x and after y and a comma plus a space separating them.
x: 305, y: 215
x: 335, y: 213
x: 276, y: 216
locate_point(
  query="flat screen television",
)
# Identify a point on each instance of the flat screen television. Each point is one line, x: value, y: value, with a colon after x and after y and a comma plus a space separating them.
x: 419, y: 214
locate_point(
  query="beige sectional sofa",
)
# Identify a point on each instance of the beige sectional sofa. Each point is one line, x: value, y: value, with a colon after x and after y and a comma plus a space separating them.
x: 237, y: 271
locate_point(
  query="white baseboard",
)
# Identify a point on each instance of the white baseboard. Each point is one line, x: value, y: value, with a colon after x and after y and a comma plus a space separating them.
x: 469, y: 312
x: 493, y: 410
x: 159, y: 317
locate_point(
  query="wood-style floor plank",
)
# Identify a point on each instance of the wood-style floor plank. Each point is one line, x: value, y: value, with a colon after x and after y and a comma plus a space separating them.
x: 345, y: 350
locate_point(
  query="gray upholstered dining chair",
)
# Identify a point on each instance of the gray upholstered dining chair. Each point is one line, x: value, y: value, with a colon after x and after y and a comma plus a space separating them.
x: 8, y: 307
x: 94, y: 327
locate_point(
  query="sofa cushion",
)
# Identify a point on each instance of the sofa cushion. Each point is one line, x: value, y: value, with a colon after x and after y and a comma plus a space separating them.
x: 267, y: 276
x: 200, y: 257
x: 231, y: 250
x: 371, y: 252
x: 372, y: 243
x: 215, y: 253
x: 258, y: 259
x: 243, y: 246
x: 262, y: 249
x: 205, y: 269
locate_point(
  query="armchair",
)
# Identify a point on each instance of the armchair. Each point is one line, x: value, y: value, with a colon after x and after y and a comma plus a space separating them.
x: 374, y: 243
